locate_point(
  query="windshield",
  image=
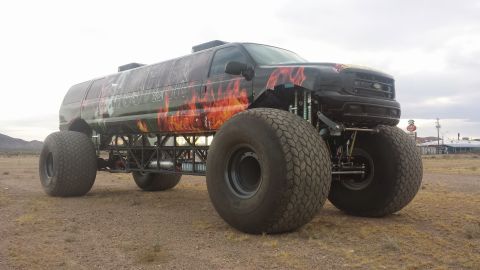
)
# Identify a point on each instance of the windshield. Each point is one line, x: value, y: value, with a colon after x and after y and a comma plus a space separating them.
x: 267, y: 55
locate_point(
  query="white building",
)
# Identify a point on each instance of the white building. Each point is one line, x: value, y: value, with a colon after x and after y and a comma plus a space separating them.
x: 449, y: 147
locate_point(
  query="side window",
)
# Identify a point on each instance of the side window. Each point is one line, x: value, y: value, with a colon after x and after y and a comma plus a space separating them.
x: 200, y: 66
x: 95, y: 89
x: 181, y: 70
x: 190, y: 68
x: 159, y: 75
x: 76, y: 93
x: 136, y: 79
x: 223, y: 56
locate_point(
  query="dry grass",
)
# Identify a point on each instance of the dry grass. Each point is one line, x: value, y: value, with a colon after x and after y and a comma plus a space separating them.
x: 146, y: 253
x: 452, y: 164
x: 116, y: 226
x: 289, y: 260
x: 48, y: 257
x: 429, y: 233
x: 391, y: 244
x: 33, y: 211
x: 135, y: 202
x: 26, y: 219
x: 72, y: 228
x: 70, y: 239
x: 236, y: 236
x: 152, y: 254
x: 270, y: 243
x: 472, y: 230
x: 192, y: 186
x: 4, y: 199
x: 202, y: 225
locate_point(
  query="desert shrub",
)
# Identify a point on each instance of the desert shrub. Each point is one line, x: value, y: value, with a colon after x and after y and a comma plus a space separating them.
x: 472, y: 230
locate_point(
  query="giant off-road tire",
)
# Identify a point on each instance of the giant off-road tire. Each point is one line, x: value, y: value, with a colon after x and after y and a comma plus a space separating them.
x: 68, y: 164
x: 394, y: 174
x: 156, y: 181
x: 267, y: 171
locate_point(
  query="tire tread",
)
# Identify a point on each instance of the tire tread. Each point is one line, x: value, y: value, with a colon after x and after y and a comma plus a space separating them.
x: 308, y: 168
x: 75, y: 162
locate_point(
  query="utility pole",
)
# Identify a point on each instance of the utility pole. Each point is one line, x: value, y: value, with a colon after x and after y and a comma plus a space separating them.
x: 438, y: 132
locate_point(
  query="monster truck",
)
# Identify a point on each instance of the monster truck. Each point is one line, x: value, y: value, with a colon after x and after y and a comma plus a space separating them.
x: 274, y: 135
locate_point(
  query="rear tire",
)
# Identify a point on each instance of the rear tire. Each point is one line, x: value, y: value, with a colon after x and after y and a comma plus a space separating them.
x: 267, y: 171
x: 68, y: 164
x: 393, y: 176
x: 156, y: 181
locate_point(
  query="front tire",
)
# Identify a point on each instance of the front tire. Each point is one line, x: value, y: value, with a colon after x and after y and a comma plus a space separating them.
x: 68, y: 164
x: 393, y: 175
x: 156, y: 181
x: 268, y: 171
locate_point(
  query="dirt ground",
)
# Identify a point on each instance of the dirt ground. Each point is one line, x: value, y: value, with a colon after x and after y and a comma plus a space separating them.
x: 117, y: 226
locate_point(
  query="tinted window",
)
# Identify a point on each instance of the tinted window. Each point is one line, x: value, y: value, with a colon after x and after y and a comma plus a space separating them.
x: 181, y: 70
x: 134, y: 80
x: 223, y: 56
x: 95, y: 89
x: 190, y: 68
x: 268, y: 55
x: 200, y: 66
x: 131, y: 80
x: 76, y: 93
x: 159, y: 75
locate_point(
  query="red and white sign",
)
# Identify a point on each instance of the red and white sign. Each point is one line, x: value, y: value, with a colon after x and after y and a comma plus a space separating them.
x: 411, y: 128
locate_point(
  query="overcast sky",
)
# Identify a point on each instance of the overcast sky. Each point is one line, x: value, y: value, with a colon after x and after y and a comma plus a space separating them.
x: 431, y: 47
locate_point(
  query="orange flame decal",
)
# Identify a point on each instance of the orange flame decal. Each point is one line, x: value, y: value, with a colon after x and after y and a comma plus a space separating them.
x: 228, y: 103
x: 295, y: 76
x: 204, y: 113
x: 142, y: 126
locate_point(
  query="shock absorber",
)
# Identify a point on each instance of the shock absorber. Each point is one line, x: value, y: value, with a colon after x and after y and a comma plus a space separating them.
x: 309, y: 107
x: 305, y: 105
x: 294, y: 109
x: 305, y: 113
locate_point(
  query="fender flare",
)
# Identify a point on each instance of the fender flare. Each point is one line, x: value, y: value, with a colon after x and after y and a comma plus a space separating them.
x: 80, y: 125
x: 275, y: 98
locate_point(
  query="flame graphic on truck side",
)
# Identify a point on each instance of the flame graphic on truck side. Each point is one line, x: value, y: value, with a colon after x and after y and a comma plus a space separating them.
x: 208, y: 112
x: 283, y: 75
x: 142, y: 126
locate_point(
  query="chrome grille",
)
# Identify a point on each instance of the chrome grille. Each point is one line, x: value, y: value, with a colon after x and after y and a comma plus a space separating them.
x: 373, y: 85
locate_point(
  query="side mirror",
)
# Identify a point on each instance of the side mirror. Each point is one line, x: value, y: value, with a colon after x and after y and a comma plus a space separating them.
x: 238, y: 68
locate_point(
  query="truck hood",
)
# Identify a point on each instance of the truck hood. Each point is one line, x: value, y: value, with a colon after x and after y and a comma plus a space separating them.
x: 338, y: 67
x: 314, y: 76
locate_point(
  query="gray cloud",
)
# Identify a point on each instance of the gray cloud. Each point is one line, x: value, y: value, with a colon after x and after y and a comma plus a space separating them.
x: 431, y: 47
x: 441, y: 39
x: 377, y: 24
x: 449, y: 94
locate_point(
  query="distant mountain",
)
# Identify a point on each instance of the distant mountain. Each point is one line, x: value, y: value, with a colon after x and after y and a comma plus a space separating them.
x: 8, y: 143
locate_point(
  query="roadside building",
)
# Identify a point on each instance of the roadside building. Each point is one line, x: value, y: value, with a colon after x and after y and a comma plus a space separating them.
x: 449, y: 147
